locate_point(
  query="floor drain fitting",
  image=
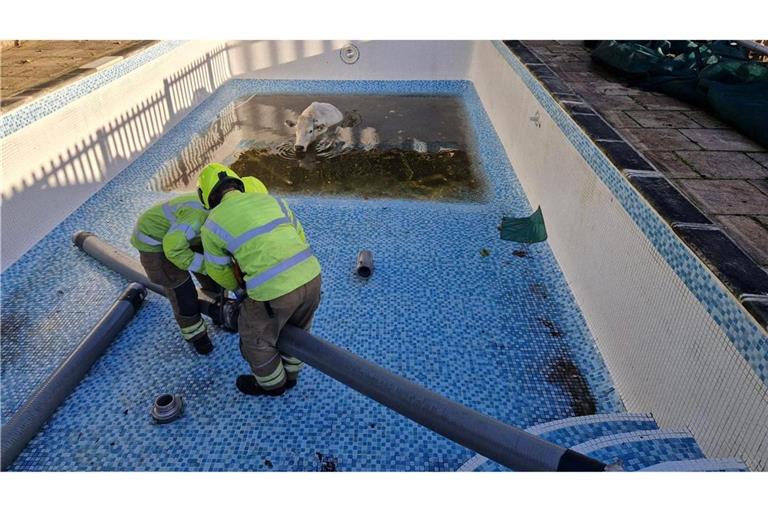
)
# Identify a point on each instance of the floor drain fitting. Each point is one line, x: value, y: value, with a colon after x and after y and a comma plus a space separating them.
x: 167, y: 408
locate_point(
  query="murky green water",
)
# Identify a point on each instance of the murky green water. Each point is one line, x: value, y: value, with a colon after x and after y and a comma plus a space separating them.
x: 397, y: 146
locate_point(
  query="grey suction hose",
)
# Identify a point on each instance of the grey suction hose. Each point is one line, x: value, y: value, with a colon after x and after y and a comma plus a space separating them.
x: 113, y: 258
x: 40, y: 406
x: 128, y: 267
x: 487, y: 436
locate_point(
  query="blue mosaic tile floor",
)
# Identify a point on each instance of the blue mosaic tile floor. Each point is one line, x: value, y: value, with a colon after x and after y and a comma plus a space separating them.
x: 436, y: 311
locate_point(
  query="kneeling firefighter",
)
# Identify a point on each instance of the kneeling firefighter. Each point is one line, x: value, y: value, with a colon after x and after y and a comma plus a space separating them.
x: 167, y: 237
x: 258, y: 237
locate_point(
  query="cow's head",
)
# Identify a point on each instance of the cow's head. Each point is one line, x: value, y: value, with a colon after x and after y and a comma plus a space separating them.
x: 308, y: 130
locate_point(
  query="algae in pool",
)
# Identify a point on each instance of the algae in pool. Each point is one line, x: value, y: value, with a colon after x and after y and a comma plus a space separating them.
x: 415, y: 147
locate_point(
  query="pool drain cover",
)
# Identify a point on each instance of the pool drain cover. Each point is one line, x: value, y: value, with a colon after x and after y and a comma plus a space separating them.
x: 167, y: 408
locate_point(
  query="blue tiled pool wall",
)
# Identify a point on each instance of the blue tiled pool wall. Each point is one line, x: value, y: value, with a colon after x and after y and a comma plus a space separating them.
x: 748, y: 338
x: 27, y: 114
x: 487, y: 347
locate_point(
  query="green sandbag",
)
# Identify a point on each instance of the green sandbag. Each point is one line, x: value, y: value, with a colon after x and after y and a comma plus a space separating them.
x: 630, y: 57
x: 734, y: 72
x: 713, y: 74
x: 527, y: 230
x: 684, y: 86
x: 745, y: 106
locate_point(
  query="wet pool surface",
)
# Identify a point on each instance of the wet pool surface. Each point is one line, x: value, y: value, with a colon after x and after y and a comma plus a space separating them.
x: 488, y: 323
x: 387, y: 146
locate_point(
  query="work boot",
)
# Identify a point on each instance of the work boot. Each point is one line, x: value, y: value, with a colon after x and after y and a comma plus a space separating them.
x: 247, y: 384
x: 202, y: 344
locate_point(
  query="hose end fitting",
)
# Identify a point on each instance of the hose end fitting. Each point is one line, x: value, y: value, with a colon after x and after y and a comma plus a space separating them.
x: 135, y: 293
x: 167, y: 408
x: 364, y: 265
x: 79, y: 238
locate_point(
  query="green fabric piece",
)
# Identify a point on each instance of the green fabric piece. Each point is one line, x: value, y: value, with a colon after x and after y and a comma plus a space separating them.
x: 716, y: 75
x: 527, y: 230
x: 744, y: 106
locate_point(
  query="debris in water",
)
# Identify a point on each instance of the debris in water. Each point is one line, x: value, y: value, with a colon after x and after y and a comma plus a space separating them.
x: 380, y: 172
x: 484, y: 252
x: 268, y: 463
x: 520, y: 253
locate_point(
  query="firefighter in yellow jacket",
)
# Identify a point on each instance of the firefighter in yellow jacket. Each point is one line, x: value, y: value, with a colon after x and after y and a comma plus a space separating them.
x: 258, y: 235
x: 168, y: 239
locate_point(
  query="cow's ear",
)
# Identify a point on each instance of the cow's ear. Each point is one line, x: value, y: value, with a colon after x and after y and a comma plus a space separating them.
x: 289, y: 123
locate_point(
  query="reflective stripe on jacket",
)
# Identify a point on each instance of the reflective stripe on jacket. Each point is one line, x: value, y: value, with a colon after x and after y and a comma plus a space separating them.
x: 170, y: 227
x: 267, y: 241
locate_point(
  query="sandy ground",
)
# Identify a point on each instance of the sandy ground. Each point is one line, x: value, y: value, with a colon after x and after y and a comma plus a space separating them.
x: 34, y: 68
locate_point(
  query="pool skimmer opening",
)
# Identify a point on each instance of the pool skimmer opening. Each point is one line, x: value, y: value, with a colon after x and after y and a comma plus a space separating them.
x: 167, y: 408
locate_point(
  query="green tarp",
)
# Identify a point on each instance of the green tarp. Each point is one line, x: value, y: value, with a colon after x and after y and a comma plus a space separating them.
x: 716, y: 75
x: 528, y: 230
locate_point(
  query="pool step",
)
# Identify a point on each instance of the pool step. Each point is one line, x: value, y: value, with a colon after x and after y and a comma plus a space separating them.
x: 642, y: 448
x: 580, y: 429
x: 634, y: 440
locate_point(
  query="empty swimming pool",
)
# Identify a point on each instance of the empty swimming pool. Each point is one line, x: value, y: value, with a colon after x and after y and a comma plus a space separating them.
x: 485, y: 322
x: 524, y: 333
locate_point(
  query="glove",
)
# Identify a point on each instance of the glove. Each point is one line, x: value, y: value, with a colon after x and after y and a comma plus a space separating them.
x: 230, y: 312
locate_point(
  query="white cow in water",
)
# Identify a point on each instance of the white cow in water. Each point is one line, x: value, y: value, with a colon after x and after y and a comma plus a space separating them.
x: 316, y: 120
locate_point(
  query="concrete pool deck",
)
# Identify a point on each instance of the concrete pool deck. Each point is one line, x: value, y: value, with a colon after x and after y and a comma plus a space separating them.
x: 721, y: 171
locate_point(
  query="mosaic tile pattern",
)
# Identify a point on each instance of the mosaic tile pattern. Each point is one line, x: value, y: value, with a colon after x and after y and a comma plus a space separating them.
x: 27, y: 114
x: 749, y: 339
x: 436, y: 311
